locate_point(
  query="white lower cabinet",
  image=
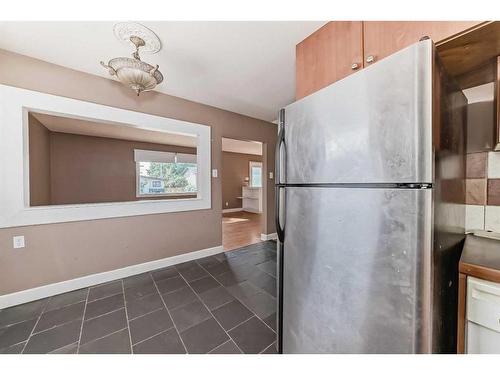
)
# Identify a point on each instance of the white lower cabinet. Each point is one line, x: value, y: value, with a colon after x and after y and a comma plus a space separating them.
x: 482, y: 340
x: 252, y: 199
x: 483, y: 317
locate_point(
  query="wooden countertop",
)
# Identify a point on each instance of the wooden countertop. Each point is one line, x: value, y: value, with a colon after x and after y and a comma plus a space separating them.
x: 481, y: 258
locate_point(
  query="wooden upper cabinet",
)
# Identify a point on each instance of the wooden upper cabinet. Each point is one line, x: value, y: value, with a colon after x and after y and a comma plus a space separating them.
x: 328, y: 55
x: 340, y: 48
x: 383, y: 38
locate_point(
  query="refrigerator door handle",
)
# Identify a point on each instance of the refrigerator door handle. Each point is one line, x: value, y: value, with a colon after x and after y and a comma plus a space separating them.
x: 280, y: 230
x: 280, y: 191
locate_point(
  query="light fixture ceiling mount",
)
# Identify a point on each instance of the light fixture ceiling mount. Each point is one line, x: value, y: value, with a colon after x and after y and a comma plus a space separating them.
x: 124, y: 31
x: 132, y: 72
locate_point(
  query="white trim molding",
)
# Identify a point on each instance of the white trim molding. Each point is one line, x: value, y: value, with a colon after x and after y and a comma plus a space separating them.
x: 227, y: 210
x: 270, y: 236
x: 16, y: 103
x: 49, y: 290
x: 252, y: 210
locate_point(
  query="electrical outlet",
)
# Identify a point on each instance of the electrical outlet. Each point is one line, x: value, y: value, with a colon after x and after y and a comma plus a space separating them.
x: 227, y: 204
x: 18, y: 242
x: 271, y: 175
x: 214, y: 173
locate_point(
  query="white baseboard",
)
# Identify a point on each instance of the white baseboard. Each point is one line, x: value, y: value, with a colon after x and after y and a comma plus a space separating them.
x: 253, y: 210
x: 44, y: 291
x: 232, y: 210
x: 270, y: 236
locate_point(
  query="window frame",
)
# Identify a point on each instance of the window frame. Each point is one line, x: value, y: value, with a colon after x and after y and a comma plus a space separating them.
x: 253, y: 164
x: 141, y: 154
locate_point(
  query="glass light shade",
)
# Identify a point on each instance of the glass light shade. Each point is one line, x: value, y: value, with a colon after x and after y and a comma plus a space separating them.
x: 136, y: 74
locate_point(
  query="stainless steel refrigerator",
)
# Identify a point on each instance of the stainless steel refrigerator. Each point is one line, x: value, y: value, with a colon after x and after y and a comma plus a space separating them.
x: 370, y: 210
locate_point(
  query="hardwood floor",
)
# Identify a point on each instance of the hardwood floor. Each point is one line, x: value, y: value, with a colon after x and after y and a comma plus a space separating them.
x: 240, y: 229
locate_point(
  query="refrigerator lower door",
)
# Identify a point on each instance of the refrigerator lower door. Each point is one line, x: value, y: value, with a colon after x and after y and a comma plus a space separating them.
x: 356, y: 270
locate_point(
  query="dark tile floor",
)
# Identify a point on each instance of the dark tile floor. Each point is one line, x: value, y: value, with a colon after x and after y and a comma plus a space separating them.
x: 220, y: 304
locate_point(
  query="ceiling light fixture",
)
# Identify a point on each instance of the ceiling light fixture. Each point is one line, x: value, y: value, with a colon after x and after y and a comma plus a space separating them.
x: 132, y: 72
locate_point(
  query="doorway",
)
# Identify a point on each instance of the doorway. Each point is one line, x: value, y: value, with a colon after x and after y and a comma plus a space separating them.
x: 242, y: 193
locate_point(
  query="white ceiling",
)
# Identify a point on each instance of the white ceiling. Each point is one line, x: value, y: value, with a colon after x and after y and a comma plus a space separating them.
x: 244, y: 67
x: 115, y: 130
x: 242, y: 147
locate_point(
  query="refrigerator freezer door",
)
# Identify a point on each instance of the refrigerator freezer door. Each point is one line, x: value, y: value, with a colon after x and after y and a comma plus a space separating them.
x: 357, y: 288
x: 374, y: 126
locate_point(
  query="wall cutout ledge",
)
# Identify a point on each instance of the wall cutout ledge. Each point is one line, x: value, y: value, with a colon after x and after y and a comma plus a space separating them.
x: 16, y: 103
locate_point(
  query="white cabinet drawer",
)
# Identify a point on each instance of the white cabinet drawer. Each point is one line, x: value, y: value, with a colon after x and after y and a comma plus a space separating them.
x: 481, y: 340
x: 483, y: 303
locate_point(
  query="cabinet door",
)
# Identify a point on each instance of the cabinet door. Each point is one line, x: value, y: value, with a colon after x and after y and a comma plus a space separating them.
x: 328, y: 55
x: 382, y: 38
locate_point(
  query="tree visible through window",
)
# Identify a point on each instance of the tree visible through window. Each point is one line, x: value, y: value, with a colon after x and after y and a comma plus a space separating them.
x: 169, y: 177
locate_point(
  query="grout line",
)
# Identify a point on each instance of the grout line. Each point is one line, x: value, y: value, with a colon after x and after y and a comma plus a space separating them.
x: 225, y: 303
x: 126, y: 317
x: 65, y: 346
x: 267, y: 347
x: 33, y: 329
x: 101, y: 298
x: 17, y: 343
x: 83, y: 320
x: 199, y: 278
x: 150, y: 312
x: 13, y: 324
x: 70, y: 321
x: 239, y: 324
x: 195, y: 324
x: 139, y: 298
x: 19, y: 322
x: 166, y: 278
x: 56, y: 326
x: 267, y: 273
x: 103, y: 337
x: 106, y: 283
x: 156, y: 334
x: 106, y: 313
x: 180, y: 306
x: 237, y: 347
x: 258, y: 317
x: 209, y: 311
x: 63, y: 306
x: 217, y: 347
x: 170, y: 315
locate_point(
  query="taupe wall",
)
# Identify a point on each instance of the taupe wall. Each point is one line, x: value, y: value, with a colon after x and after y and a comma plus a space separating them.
x: 94, y: 169
x: 39, y: 163
x: 235, y: 167
x: 57, y: 252
x: 70, y: 169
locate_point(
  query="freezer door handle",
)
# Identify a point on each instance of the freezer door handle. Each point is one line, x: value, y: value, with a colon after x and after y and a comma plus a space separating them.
x: 279, y: 163
x: 279, y: 229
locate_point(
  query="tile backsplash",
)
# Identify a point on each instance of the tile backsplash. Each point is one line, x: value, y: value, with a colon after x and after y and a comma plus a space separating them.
x: 483, y: 191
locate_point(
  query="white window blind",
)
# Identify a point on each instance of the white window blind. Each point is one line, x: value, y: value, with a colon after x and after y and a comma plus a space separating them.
x: 163, y: 157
